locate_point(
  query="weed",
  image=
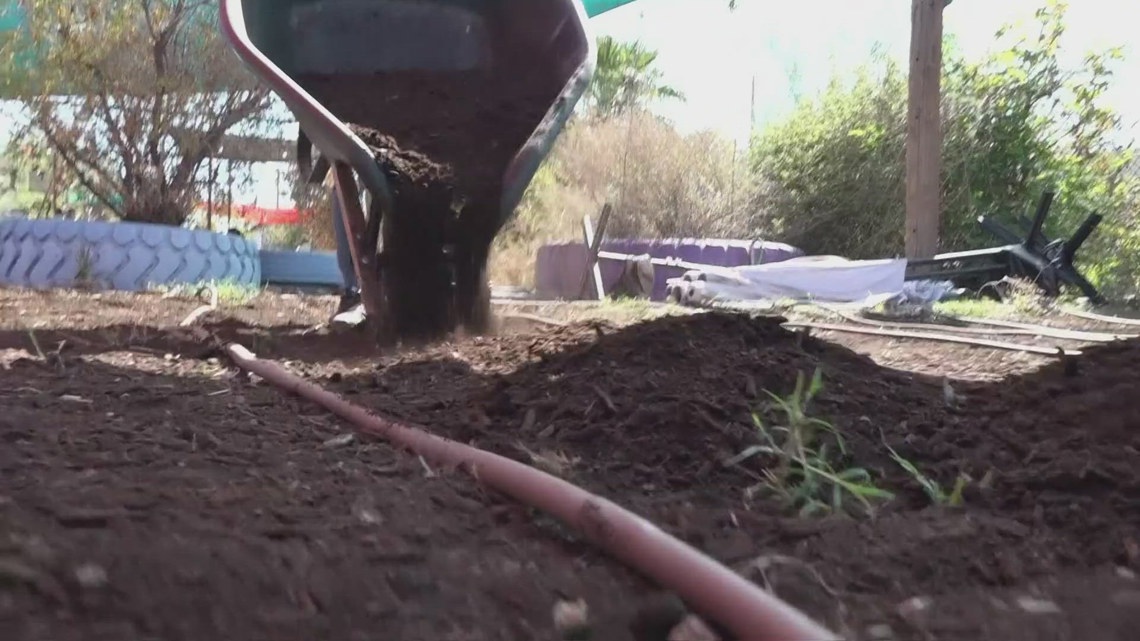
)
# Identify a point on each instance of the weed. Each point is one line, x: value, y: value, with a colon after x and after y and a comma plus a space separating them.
x: 229, y: 293
x: 551, y: 462
x: 974, y: 308
x: 937, y: 495
x: 804, y: 474
x: 85, y: 267
x: 1018, y: 297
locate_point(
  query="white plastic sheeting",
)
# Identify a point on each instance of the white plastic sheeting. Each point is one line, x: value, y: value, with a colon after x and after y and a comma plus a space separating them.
x: 831, y: 279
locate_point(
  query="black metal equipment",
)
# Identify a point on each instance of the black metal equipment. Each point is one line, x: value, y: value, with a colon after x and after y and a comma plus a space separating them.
x: 1048, y: 263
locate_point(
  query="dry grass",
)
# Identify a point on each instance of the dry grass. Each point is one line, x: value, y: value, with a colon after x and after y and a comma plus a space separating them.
x: 318, y: 224
x: 556, y: 463
x: 661, y: 184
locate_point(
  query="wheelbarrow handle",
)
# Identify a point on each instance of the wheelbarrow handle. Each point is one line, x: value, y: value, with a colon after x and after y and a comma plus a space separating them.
x: 315, y: 173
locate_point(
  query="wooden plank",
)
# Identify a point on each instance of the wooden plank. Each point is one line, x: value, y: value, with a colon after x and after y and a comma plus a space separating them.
x: 924, y: 130
x: 593, y: 246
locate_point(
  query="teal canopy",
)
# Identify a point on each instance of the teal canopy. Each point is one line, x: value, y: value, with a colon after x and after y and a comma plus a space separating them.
x: 594, y: 7
x: 11, y: 15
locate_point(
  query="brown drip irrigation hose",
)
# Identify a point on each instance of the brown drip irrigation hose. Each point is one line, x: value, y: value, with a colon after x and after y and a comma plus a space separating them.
x: 712, y: 589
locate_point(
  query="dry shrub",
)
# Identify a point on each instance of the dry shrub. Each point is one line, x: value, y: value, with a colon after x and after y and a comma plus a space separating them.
x: 315, y: 203
x: 317, y: 223
x: 661, y: 183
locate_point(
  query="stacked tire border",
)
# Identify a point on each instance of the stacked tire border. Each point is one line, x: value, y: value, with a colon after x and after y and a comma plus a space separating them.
x: 56, y: 252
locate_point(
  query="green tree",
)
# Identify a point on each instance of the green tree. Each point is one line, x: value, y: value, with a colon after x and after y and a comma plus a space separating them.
x: 1014, y: 125
x: 133, y: 96
x: 626, y: 78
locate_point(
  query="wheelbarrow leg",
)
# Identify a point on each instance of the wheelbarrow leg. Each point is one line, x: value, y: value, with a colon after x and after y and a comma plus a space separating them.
x: 363, y: 257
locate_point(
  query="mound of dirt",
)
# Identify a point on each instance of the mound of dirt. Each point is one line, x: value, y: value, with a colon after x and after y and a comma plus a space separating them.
x: 646, y: 415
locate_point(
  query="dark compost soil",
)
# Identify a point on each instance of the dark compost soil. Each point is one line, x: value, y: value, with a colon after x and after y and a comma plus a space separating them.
x: 147, y: 495
x: 219, y: 508
x: 645, y: 415
x: 444, y: 139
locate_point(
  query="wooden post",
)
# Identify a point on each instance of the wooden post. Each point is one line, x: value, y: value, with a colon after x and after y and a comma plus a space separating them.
x: 593, y: 246
x: 924, y: 130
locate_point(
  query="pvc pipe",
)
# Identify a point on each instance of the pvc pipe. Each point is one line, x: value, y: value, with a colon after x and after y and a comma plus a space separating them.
x: 944, y: 338
x: 712, y: 589
x: 1043, y: 330
x: 1116, y: 320
x: 1013, y: 329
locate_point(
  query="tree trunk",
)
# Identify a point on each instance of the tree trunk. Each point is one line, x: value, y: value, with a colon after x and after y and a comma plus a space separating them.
x: 924, y: 132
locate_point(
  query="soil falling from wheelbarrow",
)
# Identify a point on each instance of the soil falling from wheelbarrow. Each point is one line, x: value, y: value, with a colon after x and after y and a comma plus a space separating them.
x: 445, y: 141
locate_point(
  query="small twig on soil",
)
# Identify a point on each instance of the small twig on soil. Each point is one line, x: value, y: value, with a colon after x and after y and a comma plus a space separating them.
x: 711, y: 422
x: 75, y: 339
x: 535, y: 319
x: 386, y: 470
x: 428, y: 472
x: 766, y: 562
x: 198, y: 313
x: 605, y: 399
x: 36, y: 345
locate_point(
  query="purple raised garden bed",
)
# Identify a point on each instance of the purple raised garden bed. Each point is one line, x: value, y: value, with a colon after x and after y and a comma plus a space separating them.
x: 559, y: 266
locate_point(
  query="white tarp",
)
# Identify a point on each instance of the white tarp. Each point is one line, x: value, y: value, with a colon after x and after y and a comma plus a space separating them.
x: 831, y: 279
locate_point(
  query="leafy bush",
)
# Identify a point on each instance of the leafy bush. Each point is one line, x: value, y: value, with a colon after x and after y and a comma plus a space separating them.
x: 1014, y: 125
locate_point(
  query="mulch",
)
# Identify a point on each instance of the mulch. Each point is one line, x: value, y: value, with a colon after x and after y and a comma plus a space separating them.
x: 149, y: 491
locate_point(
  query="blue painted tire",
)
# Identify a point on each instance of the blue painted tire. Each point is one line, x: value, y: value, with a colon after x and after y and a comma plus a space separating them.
x: 56, y: 252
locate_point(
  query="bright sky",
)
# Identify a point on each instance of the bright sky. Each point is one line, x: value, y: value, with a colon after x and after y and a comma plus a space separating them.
x: 713, y: 55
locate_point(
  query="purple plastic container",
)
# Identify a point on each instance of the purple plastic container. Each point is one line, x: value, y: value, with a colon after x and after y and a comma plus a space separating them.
x: 559, y: 266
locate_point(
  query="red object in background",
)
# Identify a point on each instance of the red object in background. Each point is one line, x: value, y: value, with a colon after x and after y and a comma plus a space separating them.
x: 266, y: 216
x: 263, y: 215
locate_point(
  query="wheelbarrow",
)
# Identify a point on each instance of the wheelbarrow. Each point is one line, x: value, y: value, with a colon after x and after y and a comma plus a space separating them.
x: 402, y: 257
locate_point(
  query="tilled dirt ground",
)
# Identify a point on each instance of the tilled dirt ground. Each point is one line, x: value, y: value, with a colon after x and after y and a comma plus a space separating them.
x: 147, y: 491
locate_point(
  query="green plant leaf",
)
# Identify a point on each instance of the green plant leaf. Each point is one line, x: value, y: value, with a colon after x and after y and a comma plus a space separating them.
x: 748, y: 453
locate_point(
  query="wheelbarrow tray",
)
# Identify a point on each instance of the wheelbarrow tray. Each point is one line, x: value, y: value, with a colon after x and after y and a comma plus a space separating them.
x: 281, y: 40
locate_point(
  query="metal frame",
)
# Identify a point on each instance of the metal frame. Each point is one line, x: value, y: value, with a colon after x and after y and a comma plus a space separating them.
x: 363, y: 237
x: 1049, y: 263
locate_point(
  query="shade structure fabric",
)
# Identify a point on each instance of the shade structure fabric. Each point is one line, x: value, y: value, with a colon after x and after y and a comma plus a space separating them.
x: 595, y: 7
